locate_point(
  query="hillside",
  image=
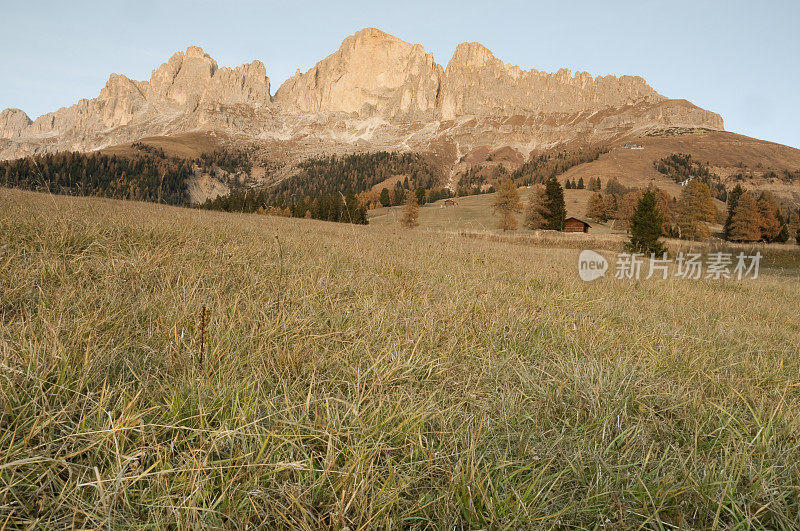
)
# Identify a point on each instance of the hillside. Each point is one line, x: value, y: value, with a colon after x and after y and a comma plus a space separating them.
x: 727, y: 155
x: 168, y: 367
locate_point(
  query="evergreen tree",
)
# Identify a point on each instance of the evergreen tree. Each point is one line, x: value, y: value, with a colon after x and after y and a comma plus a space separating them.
x: 732, y: 200
x: 581, y: 186
x: 420, y: 196
x: 746, y: 222
x: 385, y: 199
x: 536, y: 211
x: 646, y: 226
x: 783, y: 235
x: 554, y: 202
x: 410, y: 215
x: 507, y: 204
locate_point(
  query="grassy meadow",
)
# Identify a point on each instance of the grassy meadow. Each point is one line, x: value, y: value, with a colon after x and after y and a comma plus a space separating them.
x: 474, y: 213
x: 167, y: 367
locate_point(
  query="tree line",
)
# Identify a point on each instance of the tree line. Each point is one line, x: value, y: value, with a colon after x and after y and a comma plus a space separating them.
x: 328, y: 207
x: 758, y: 217
x: 541, y: 168
x: 155, y: 178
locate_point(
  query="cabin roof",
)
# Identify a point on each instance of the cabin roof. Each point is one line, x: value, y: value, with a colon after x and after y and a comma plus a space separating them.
x: 578, y: 219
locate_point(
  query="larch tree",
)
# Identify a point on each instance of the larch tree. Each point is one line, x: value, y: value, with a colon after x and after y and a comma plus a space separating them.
x: 536, y: 212
x: 410, y: 215
x: 507, y: 205
x: 793, y: 226
x: 611, y: 202
x: 627, y: 204
x: 664, y: 203
x: 695, y: 210
x: 596, y: 209
x: 746, y: 221
x: 770, y: 211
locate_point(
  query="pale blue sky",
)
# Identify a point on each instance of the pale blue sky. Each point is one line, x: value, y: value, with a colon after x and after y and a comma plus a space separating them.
x: 738, y: 58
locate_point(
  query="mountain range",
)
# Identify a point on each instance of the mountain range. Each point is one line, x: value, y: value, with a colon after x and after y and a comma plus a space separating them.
x: 380, y: 93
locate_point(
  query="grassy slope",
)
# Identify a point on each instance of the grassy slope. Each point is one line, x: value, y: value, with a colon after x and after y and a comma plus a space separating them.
x: 362, y: 376
x: 474, y: 213
x: 187, y: 145
x: 724, y: 151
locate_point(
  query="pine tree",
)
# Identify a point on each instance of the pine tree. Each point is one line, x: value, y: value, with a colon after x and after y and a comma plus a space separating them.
x: 385, y: 199
x: 596, y: 209
x: 507, y: 204
x: 646, y: 226
x: 420, y: 196
x: 536, y: 211
x: 581, y: 186
x: 410, y: 214
x: 746, y: 222
x: 732, y: 200
x: 554, y: 202
x: 695, y: 210
x: 783, y: 235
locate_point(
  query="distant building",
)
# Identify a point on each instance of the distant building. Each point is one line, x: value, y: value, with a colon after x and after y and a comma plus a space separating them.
x: 576, y: 225
x: 628, y: 145
x: 449, y: 203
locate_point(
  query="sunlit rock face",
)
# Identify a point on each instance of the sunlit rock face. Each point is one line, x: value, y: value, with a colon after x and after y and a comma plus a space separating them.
x: 375, y: 92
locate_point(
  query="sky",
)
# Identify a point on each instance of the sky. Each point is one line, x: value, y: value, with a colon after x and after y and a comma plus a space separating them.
x: 737, y: 58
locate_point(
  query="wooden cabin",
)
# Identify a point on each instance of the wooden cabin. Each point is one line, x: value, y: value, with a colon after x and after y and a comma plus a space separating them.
x: 576, y: 225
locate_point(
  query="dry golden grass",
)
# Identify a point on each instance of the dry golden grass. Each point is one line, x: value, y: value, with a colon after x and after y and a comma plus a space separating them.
x: 367, y: 377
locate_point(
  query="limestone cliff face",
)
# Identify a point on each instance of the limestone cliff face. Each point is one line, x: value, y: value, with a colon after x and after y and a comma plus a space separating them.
x: 375, y: 92
x: 371, y: 73
x: 13, y: 122
x: 179, y: 94
x: 476, y: 82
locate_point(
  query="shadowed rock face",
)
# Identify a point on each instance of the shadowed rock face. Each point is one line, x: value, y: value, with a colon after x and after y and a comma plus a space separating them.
x: 375, y: 92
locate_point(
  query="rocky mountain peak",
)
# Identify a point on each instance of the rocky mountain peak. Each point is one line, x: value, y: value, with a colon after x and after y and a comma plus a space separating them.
x: 372, y: 72
x: 472, y: 55
x: 13, y: 122
x: 182, y: 79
